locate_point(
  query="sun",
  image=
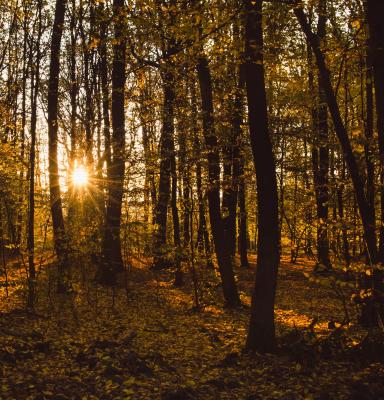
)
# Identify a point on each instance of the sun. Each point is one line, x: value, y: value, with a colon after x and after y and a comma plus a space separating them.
x: 80, y: 176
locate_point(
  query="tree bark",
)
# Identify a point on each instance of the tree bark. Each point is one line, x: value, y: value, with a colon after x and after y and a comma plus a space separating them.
x: 111, y: 246
x: 166, y: 155
x: 322, y: 181
x: 376, y: 57
x: 223, y: 252
x: 203, y: 242
x: 60, y: 240
x: 243, y: 230
x: 35, y: 83
x: 73, y: 91
x: 105, y: 88
x: 261, y: 333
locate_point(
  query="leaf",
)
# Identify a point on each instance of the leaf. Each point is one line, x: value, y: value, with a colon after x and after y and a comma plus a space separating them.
x: 356, y: 24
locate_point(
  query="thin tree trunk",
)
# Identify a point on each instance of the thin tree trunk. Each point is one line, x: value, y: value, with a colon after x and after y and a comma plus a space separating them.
x: 166, y: 154
x: 105, y: 87
x: 232, y: 166
x: 35, y: 81
x: 73, y: 97
x: 175, y: 211
x: 89, y: 115
x: 322, y: 181
x: 60, y: 240
x: 203, y: 242
x: 223, y: 252
x: 243, y: 229
x: 111, y: 246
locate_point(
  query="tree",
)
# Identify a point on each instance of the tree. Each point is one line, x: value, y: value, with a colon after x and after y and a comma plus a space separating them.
x: 223, y: 252
x: 321, y: 155
x: 112, y: 262
x: 35, y: 87
x: 376, y: 57
x: 261, y: 333
x: 60, y: 239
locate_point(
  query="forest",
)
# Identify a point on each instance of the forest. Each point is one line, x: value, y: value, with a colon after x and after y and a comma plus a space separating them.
x: 191, y: 199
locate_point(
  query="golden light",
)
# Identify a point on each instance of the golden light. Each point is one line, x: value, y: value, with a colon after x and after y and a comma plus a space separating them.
x: 80, y: 176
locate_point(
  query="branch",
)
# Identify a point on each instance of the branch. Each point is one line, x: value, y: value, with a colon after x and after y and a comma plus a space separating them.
x: 142, y: 60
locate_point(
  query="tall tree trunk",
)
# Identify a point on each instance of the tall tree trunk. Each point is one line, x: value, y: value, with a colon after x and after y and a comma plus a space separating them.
x: 73, y: 98
x: 232, y: 166
x: 103, y: 19
x: 184, y: 172
x: 203, y: 242
x: 376, y: 57
x: 261, y: 333
x: 146, y: 131
x: 87, y: 54
x: 376, y: 60
x: 26, y: 65
x: 150, y: 183
x: 111, y: 246
x: 35, y: 81
x: 357, y: 180
x: 223, y: 252
x: 60, y: 240
x: 238, y: 179
x: 166, y: 156
x: 322, y: 181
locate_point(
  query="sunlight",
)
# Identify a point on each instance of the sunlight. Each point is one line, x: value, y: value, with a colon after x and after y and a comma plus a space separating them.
x: 80, y: 176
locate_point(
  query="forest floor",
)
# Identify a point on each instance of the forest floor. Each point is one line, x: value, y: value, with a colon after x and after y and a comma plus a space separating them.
x: 145, y: 340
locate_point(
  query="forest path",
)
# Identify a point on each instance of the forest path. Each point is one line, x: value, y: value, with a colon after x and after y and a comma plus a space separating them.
x: 145, y: 341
